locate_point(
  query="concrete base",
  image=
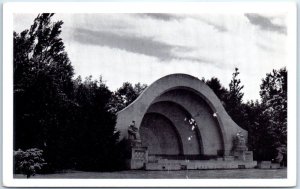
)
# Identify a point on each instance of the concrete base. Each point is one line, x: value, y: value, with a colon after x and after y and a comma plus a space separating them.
x: 199, y: 164
x: 275, y: 166
x: 264, y: 165
x: 268, y: 165
x: 243, y: 155
x: 228, y: 158
x: 135, y: 164
x: 138, y: 158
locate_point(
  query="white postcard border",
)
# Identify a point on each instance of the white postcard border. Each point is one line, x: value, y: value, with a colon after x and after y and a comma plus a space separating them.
x: 117, y: 7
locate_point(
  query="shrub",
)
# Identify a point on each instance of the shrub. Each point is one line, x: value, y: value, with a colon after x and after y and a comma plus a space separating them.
x: 28, y: 162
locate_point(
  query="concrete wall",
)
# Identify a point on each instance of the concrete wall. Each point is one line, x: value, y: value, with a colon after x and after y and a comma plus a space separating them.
x: 175, y: 113
x: 140, y: 106
x: 159, y: 135
x: 210, y: 135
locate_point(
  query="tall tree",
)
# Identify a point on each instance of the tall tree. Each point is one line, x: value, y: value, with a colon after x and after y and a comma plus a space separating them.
x: 43, y: 88
x: 274, y: 101
x: 95, y: 133
x: 234, y: 100
x: 259, y: 138
x: 267, y: 121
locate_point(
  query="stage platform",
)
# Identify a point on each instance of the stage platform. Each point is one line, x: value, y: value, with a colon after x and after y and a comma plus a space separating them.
x: 166, y: 164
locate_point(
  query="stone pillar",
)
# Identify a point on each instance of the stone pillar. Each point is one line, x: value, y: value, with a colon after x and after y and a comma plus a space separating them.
x: 138, y: 159
x: 240, y: 151
x: 138, y: 154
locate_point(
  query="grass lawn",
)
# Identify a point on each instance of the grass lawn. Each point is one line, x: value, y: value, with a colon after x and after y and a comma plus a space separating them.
x: 191, y: 174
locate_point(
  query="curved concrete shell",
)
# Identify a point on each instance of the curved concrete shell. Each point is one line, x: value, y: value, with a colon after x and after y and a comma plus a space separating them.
x: 162, y: 114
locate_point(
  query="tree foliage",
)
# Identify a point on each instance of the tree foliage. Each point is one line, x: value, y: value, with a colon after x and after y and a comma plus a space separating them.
x: 40, y: 52
x: 274, y: 101
x: 234, y: 101
x: 96, y: 136
x: 219, y: 90
x: 68, y: 119
x: 28, y: 162
x: 125, y: 95
x: 43, y: 89
x: 265, y: 120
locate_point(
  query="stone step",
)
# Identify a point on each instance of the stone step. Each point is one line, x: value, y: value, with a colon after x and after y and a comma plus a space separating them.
x: 192, y: 165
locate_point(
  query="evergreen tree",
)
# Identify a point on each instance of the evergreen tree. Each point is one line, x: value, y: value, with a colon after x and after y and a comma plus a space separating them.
x: 219, y: 90
x: 234, y: 100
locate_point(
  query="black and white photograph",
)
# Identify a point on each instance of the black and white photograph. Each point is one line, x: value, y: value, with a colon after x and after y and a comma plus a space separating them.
x: 157, y: 94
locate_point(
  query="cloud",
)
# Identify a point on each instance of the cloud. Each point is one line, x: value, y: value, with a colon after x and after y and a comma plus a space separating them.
x: 134, y: 44
x: 171, y: 17
x: 216, y: 26
x: 141, y: 45
x: 265, y: 23
x: 265, y: 47
x: 145, y: 47
x: 161, y: 16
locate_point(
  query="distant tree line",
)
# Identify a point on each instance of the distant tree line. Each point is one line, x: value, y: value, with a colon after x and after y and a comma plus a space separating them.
x: 71, y: 122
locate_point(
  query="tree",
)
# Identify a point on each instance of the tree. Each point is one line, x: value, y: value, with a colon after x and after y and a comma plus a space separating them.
x: 125, y: 95
x: 28, y: 162
x: 43, y: 90
x: 68, y: 119
x: 267, y: 121
x: 41, y: 50
x: 219, y: 90
x: 234, y: 100
x: 259, y: 138
x: 139, y: 88
x: 231, y: 99
x: 274, y: 101
x: 95, y: 127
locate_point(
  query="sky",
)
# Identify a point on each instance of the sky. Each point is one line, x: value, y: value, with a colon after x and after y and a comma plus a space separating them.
x: 145, y: 47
